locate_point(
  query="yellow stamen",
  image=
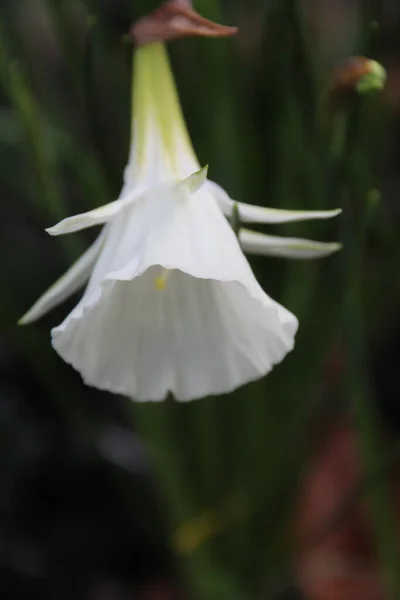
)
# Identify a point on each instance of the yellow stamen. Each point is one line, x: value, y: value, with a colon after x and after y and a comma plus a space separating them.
x: 161, y: 281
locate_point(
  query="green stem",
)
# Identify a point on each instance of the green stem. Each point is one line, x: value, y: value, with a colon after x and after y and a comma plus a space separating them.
x: 357, y: 381
x: 203, y: 575
x: 367, y: 419
x: 49, y: 197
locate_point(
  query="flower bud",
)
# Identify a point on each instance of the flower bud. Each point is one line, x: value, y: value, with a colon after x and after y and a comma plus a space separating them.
x: 359, y: 74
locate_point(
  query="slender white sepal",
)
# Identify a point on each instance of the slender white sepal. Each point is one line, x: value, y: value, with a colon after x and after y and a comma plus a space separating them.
x: 98, y: 216
x: 257, y: 214
x: 68, y: 284
x: 253, y: 242
x: 250, y: 213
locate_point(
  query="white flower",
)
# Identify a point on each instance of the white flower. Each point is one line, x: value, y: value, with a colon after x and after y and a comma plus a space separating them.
x: 171, y: 304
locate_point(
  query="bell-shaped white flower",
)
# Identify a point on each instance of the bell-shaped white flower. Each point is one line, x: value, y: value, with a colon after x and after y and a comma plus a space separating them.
x: 171, y: 303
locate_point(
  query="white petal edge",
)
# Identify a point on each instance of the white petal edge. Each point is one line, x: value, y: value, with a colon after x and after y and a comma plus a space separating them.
x: 68, y: 284
x: 253, y: 242
x: 250, y: 213
x: 98, y: 216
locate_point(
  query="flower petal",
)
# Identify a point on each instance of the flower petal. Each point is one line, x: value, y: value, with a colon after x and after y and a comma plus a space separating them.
x: 67, y: 285
x: 196, y: 180
x: 211, y: 329
x: 98, y: 216
x: 250, y: 213
x: 257, y: 214
x: 197, y: 337
x: 253, y: 242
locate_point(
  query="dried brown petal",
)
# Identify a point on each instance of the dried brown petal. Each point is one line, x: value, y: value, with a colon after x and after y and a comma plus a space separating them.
x: 173, y: 20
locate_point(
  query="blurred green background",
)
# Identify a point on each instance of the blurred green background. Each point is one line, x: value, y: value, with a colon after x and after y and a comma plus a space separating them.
x: 82, y: 512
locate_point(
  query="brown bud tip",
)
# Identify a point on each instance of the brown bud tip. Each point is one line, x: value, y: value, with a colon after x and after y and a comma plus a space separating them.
x: 175, y: 19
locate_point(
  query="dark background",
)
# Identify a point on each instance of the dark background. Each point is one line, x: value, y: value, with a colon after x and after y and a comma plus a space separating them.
x: 81, y: 515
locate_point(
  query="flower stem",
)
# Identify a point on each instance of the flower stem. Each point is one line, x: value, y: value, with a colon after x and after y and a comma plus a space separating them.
x: 157, y: 424
x: 357, y: 381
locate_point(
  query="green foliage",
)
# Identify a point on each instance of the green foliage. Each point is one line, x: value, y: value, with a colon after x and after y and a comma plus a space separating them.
x: 230, y: 466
